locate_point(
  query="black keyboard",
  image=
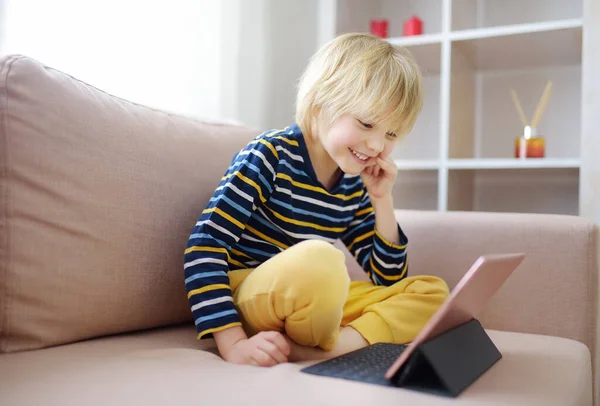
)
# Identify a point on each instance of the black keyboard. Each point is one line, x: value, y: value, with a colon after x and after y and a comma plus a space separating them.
x: 367, y: 364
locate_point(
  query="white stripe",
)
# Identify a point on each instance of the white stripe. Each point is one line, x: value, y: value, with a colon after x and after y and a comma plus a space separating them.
x: 252, y: 263
x: 315, y: 201
x: 362, y: 248
x: 212, y: 302
x: 247, y: 237
x: 218, y: 227
x: 296, y: 235
x: 203, y: 261
x: 387, y: 266
x: 359, y: 221
x: 236, y: 190
x: 288, y: 153
x: 262, y: 157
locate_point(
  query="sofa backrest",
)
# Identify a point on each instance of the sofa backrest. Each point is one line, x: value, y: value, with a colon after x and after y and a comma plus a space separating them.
x: 98, y: 196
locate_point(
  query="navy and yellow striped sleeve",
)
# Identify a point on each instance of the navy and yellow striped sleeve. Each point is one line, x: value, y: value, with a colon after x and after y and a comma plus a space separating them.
x: 384, y: 262
x: 247, y: 183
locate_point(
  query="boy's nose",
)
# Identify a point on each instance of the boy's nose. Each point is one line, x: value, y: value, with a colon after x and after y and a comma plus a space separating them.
x: 375, y: 144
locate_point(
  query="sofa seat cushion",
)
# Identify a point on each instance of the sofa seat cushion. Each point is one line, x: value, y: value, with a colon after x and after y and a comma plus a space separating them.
x: 169, y: 367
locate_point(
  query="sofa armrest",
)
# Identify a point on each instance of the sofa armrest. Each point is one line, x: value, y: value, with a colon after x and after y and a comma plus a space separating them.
x: 553, y: 292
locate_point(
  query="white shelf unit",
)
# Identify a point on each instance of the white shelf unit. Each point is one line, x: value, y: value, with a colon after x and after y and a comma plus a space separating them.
x: 460, y: 154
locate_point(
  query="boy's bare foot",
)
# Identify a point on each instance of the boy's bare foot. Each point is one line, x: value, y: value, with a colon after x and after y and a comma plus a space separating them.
x: 349, y: 340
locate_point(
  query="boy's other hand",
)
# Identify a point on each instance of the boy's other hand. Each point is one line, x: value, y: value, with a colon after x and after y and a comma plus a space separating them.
x: 264, y: 349
x: 379, y: 179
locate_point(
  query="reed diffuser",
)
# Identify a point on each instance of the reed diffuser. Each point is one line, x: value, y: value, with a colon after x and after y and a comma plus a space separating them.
x: 530, y: 144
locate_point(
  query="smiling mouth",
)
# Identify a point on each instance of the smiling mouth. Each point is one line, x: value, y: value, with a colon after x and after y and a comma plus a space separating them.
x: 361, y: 157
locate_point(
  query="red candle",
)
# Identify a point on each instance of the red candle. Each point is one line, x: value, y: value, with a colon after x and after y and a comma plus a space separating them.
x: 379, y: 28
x: 413, y: 26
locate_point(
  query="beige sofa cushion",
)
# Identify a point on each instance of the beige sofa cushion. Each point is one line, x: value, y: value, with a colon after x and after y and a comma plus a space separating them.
x: 97, y: 199
x: 167, y: 367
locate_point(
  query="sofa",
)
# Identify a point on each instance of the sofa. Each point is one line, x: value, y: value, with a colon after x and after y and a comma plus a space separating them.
x: 98, y: 196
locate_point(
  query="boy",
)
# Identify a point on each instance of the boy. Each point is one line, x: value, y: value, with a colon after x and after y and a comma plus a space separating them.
x: 262, y: 275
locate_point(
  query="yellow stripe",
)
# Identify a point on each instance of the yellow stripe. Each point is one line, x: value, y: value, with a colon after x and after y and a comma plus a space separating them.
x: 253, y: 184
x: 364, y: 211
x: 208, y: 249
x: 265, y: 237
x: 273, y: 133
x: 248, y: 181
x: 217, y: 329
x: 214, y: 249
x: 271, y: 147
x: 225, y: 215
x: 305, y: 223
x: 389, y: 244
x: 207, y: 289
x: 405, y: 267
x: 386, y: 277
x: 291, y: 142
x: 360, y: 238
x: 318, y: 189
x: 234, y: 262
x: 241, y: 254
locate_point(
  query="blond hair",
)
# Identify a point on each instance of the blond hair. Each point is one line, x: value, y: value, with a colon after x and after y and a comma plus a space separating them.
x: 361, y: 75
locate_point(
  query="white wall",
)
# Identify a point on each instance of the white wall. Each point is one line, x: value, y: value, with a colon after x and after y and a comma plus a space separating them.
x: 589, y: 193
x: 291, y: 40
x: 276, y: 39
x: 233, y: 60
x: 164, y: 54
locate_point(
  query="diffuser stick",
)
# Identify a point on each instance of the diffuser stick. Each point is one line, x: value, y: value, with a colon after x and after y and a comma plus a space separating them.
x: 541, y: 107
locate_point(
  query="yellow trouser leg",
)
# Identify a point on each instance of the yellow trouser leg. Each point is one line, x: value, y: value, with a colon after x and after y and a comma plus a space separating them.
x: 302, y: 290
x: 395, y: 313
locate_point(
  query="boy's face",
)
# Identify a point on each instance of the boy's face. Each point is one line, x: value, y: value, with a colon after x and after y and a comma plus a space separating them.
x: 354, y: 144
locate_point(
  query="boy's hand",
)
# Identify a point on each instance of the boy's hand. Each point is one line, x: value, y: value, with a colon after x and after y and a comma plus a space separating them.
x: 379, y: 179
x: 264, y: 349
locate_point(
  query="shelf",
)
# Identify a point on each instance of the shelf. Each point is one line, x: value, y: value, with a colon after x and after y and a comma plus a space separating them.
x: 516, y: 29
x: 426, y: 49
x: 414, y: 164
x: 416, y: 40
x: 510, y: 163
x: 468, y: 14
x: 460, y: 153
x: 550, y: 190
x: 521, y: 46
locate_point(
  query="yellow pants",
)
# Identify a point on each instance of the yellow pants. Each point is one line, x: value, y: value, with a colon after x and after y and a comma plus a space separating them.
x: 306, y: 292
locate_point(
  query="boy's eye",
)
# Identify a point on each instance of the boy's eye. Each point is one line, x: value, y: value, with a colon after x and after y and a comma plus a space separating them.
x: 366, y: 125
x: 391, y: 135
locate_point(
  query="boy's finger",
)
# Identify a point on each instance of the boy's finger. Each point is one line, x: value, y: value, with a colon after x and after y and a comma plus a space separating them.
x: 262, y: 358
x: 273, y: 351
x: 385, y: 165
x: 280, y: 342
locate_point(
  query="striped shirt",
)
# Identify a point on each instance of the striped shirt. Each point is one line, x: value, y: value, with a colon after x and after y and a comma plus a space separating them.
x: 268, y: 200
